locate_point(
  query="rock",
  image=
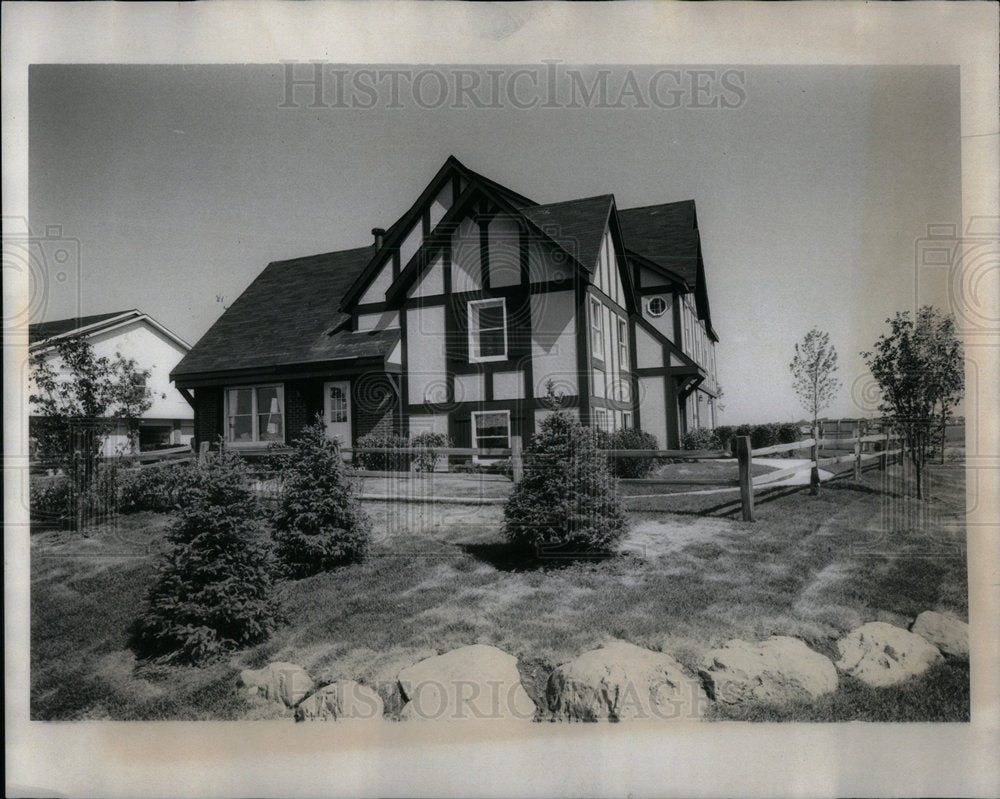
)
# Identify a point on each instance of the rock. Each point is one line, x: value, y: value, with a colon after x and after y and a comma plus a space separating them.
x: 778, y: 670
x: 473, y: 682
x: 344, y: 700
x: 947, y: 633
x: 880, y: 654
x: 278, y: 682
x: 622, y: 681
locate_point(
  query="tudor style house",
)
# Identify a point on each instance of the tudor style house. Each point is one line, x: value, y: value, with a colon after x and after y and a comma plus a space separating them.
x: 457, y: 317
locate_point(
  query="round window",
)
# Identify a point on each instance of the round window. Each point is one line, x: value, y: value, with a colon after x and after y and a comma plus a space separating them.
x: 656, y: 306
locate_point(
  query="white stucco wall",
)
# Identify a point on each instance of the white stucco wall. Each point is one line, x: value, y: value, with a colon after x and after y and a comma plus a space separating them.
x: 553, y: 342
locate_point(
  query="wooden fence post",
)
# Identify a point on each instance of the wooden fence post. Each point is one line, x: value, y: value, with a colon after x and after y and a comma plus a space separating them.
x: 516, y: 460
x: 814, y: 471
x: 883, y: 460
x: 857, y: 452
x: 745, y: 457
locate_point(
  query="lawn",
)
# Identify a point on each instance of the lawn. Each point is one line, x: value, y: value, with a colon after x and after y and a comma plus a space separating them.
x: 440, y: 576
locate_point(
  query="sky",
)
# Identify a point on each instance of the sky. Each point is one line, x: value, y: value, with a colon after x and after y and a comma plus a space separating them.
x: 173, y: 186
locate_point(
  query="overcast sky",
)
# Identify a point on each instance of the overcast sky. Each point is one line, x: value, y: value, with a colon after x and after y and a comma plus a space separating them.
x: 813, y: 188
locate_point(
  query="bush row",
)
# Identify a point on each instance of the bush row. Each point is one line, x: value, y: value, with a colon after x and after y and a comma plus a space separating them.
x: 114, y: 488
x: 401, y: 461
x: 761, y: 435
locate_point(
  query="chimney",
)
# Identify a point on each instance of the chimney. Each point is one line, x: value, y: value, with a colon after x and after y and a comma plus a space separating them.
x: 379, y: 235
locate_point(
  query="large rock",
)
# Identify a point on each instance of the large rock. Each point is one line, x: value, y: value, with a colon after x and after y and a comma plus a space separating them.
x: 473, y: 682
x: 622, y: 681
x: 947, y: 633
x: 780, y: 669
x: 344, y: 700
x: 278, y: 682
x: 880, y: 654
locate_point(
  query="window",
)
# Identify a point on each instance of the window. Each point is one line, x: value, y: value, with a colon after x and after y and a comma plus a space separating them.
x: 255, y: 414
x: 656, y: 306
x: 600, y: 419
x: 487, y: 330
x: 596, y: 328
x: 491, y: 429
x: 622, y: 345
x: 338, y: 404
x: 627, y: 421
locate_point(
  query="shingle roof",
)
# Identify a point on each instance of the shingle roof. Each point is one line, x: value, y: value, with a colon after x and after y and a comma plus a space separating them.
x: 576, y: 225
x: 665, y: 234
x: 58, y: 327
x: 286, y: 316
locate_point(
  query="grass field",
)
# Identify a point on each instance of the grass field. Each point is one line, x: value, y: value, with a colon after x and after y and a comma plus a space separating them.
x: 441, y: 577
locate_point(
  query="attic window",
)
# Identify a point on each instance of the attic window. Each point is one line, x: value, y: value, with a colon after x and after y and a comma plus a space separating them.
x: 657, y: 306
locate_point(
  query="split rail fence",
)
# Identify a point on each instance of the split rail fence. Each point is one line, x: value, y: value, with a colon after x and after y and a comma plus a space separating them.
x: 860, y: 446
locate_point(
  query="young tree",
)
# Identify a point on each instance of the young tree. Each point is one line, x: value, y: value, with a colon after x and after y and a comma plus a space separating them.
x: 567, y: 503
x: 319, y: 524
x: 813, y: 371
x: 75, y: 390
x: 213, y: 591
x: 918, y: 366
x: 77, y: 400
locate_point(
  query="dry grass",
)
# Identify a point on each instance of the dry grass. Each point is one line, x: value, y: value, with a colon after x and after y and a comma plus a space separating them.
x: 441, y: 577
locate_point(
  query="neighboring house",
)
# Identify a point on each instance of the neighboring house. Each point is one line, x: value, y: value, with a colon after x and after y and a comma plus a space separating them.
x: 458, y: 315
x: 137, y: 336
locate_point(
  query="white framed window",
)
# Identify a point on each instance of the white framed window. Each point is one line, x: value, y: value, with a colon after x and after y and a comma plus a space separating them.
x: 657, y: 306
x: 601, y: 419
x: 487, y: 330
x: 255, y: 414
x: 622, y: 345
x: 626, y: 421
x: 490, y: 430
x: 596, y: 328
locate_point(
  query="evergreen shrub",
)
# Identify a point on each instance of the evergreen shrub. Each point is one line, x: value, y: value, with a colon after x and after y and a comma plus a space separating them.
x: 319, y: 524
x: 213, y: 589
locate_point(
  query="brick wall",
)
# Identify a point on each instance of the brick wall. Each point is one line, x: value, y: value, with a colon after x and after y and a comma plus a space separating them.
x: 207, y: 415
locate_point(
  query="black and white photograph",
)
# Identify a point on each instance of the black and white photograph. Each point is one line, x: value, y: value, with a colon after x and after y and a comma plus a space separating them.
x: 415, y: 378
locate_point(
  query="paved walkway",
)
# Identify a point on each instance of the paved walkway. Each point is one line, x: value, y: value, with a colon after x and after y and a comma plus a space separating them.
x: 799, y: 478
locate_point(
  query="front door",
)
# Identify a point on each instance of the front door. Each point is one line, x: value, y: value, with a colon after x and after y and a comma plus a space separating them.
x: 337, y: 410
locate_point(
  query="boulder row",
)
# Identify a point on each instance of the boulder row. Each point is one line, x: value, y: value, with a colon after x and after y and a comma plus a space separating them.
x: 277, y: 682
x: 470, y: 683
x: 947, y: 633
x: 621, y: 682
x: 344, y: 700
x: 778, y: 670
x: 880, y: 654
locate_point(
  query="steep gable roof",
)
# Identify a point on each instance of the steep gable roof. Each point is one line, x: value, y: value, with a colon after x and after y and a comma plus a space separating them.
x: 577, y: 226
x: 286, y: 316
x: 665, y: 234
x: 61, y: 327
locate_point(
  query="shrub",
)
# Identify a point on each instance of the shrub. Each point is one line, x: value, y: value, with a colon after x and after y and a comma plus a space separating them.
x: 213, y: 590
x: 700, y: 438
x: 51, y: 500
x: 155, y: 488
x: 381, y: 461
x: 629, y: 438
x: 426, y: 461
x: 319, y: 524
x: 567, y: 502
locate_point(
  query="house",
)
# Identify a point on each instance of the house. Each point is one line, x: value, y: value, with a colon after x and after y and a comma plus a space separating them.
x: 457, y: 316
x: 135, y: 335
